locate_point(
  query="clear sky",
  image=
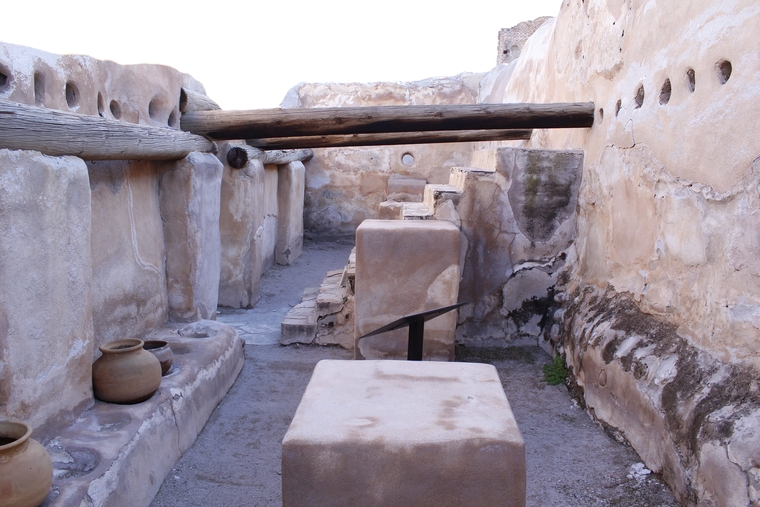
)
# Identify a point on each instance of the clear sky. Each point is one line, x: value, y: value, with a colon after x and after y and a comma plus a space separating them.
x: 248, y: 54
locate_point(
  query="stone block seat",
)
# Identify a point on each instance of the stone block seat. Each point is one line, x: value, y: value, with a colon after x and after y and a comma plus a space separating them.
x: 390, y: 433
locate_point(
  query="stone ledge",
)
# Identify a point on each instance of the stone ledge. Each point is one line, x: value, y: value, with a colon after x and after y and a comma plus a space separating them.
x: 118, y: 455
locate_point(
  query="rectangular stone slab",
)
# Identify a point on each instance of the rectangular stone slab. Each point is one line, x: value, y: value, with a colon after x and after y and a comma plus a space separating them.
x: 403, y: 433
x: 405, y: 267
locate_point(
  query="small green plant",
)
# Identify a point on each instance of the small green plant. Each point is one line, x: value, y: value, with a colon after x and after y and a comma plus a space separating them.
x: 555, y: 373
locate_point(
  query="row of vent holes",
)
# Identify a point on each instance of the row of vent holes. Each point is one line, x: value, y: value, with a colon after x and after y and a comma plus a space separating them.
x: 724, y: 68
x: 72, y: 92
x: 72, y: 99
x: 115, y: 109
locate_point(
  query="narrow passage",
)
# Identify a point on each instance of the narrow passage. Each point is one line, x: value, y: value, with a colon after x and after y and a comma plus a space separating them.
x: 571, y: 460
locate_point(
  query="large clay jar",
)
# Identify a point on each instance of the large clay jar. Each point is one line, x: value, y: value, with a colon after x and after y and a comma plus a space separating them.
x: 163, y: 353
x: 26, y: 472
x: 125, y: 373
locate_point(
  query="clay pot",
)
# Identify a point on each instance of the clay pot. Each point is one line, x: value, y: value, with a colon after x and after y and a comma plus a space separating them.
x: 125, y: 373
x: 26, y: 472
x: 162, y: 351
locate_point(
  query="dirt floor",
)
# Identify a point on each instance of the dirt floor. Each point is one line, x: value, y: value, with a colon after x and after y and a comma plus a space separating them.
x: 571, y: 460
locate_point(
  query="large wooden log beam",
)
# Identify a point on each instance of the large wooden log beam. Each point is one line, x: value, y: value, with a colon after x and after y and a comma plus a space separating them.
x: 239, y: 156
x: 58, y: 133
x: 265, y: 123
x: 389, y: 138
x: 194, y: 101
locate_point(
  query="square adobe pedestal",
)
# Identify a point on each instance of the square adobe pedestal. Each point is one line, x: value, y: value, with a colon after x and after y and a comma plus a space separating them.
x: 398, y: 433
x: 405, y: 267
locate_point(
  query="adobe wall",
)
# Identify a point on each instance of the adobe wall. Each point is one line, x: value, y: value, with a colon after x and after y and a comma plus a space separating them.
x: 345, y: 186
x: 660, y: 300
x: 101, y: 250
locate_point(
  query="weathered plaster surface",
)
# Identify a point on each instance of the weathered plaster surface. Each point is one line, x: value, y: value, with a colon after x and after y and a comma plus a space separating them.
x: 120, y: 454
x: 146, y: 94
x: 403, y: 433
x: 46, y: 335
x: 516, y: 221
x: 129, y: 290
x: 290, y: 195
x: 189, y: 198
x: 662, y: 279
x: 346, y: 185
x: 405, y: 267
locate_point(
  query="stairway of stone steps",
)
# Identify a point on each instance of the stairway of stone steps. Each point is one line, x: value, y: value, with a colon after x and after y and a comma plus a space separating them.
x: 435, y: 196
x: 324, y: 315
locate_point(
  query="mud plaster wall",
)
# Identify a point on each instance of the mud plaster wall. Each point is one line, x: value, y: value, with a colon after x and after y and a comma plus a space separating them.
x: 83, y: 249
x: 248, y: 222
x: 344, y: 186
x: 661, y: 302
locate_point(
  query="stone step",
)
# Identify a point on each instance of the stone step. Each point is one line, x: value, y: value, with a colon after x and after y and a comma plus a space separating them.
x: 485, y: 159
x: 324, y: 311
x: 459, y: 175
x: 402, y: 189
x: 436, y: 194
x: 330, y: 299
x: 416, y: 211
x: 391, y: 210
x: 300, y: 324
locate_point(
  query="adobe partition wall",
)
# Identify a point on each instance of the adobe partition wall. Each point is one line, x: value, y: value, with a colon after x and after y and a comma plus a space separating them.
x: 658, y: 304
x: 94, y: 251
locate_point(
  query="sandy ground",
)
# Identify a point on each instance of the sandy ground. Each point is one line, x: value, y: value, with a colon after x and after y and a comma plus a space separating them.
x: 571, y: 461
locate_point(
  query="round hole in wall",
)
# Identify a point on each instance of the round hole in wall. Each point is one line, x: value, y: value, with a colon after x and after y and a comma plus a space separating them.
x: 617, y: 107
x: 39, y: 88
x: 5, y: 77
x: 639, y: 98
x: 724, y: 71
x: 101, y: 106
x: 665, y: 92
x: 172, y: 121
x: 115, y: 109
x: 72, y: 95
x: 154, y: 108
x: 691, y: 80
x: 407, y: 159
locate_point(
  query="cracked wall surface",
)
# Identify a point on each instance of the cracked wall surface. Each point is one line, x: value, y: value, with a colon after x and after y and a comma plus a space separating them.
x: 657, y: 308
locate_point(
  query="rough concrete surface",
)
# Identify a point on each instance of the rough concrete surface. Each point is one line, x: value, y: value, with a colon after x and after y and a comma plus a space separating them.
x: 236, y: 460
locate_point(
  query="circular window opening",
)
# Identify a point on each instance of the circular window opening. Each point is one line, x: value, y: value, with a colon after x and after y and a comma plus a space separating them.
x: 101, y: 106
x: 724, y: 71
x: 39, y: 88
x: 407, y: 159
x: 72, y: 95
x: 691, y: 80
x: 639, y: 98
x: 665, y: 92
x: 115, y: 109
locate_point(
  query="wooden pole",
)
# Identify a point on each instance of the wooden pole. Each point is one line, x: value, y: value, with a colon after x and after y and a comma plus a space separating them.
x: 194, y: 101
x: 58, y: 133
x: 239, y: 156
x: 266, y: 123
x: 389, y: 138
